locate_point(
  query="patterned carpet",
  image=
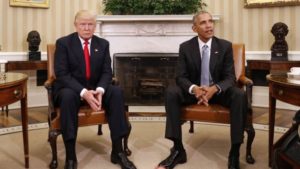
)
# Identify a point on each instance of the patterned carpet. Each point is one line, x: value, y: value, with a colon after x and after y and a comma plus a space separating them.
x: 207, y: 148
x: 37, y: 118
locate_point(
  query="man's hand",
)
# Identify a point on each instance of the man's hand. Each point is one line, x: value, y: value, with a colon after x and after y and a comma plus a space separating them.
x: 209, y: 93
x: 199, y: 93
x: 204, y: 93
x: 93, y: 101
x: 99, y: 95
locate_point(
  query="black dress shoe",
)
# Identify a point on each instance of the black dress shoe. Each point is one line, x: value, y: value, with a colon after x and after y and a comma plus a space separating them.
x: 176, y: 157
x: 71, y: 164
x: 233, y: 162
x: 122, y: 160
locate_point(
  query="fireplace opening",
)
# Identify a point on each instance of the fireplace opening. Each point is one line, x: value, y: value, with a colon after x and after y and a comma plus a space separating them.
x: 144, y: 76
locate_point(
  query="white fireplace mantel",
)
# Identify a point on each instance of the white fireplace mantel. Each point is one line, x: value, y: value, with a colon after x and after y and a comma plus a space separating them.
x: 129, y: 18
x: 145, y: 25
x: 145, y: 33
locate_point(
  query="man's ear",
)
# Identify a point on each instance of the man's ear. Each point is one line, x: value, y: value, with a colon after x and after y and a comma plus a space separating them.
x: 194, y: 28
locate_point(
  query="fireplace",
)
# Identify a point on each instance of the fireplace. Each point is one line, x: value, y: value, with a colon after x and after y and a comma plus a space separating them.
x: 144, y: 76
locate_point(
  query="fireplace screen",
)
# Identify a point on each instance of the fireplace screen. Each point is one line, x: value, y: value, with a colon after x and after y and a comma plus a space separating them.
x: 144, y: 76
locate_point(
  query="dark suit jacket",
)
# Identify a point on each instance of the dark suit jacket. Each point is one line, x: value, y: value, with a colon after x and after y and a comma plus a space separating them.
x: 221, y: 64
x: 69, y: 64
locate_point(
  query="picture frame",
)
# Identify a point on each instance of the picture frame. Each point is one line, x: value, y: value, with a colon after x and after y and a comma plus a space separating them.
x: 30, y: 3
x: 269, y: 3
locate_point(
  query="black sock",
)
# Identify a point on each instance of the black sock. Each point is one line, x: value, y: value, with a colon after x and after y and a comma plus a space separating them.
x: 117, y: 146
x: 70, y: 150
x: 178, y: 145
x: 235, y: 149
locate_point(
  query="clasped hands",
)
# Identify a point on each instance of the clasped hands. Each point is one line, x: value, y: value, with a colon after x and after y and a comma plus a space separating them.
x: 204, y: 93
x: 94, y: 99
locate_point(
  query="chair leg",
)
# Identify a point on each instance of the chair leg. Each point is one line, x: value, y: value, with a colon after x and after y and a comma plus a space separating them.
x: 251, y: 134
x: 6, y: 110
x: 191, y: 127
x: 52, y: 138
x: 100, y: 129
x: 125, y: 143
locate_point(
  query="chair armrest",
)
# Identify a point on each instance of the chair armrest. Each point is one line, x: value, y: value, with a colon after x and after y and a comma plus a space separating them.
x: 51, y: 110
x: 248, y: 83
x: 49, y: 82
x: 243, y: 80
x: 115, y: 81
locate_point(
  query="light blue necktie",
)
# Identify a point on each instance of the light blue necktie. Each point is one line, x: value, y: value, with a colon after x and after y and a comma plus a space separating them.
x: 205, y: 66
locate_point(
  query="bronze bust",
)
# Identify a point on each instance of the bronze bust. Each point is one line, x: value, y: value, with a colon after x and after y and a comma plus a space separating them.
x: 280, y: 47
x: 34, y: 41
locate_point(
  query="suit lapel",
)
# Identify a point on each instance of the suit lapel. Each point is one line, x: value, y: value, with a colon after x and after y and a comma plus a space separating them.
x: 196, y: 53
x: 78, y: 52
x: 214, y: 53
x: 95, y: 51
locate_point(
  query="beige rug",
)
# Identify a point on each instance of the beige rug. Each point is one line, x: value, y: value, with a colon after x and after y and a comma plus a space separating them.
x: 207, y: 148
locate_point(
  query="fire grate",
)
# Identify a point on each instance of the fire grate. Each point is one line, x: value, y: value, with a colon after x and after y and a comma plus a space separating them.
x: 144, y: 76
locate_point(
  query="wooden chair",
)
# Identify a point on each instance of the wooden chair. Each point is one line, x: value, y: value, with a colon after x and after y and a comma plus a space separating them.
x: 86, y: 117
x: 218, y: 114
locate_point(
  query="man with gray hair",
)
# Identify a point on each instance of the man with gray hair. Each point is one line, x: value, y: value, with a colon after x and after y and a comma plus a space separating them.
x: 83, y: 73
x: 205, y: 75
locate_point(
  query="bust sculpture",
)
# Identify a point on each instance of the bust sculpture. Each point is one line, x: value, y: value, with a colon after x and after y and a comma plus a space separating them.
x: 34, y: 41
x: 280, y: 47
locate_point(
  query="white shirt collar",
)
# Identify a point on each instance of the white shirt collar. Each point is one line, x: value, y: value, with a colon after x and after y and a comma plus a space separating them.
x: 82, y: 40
x: 201, y: 43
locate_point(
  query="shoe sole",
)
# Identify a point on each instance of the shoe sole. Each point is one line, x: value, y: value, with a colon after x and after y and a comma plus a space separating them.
x: 182, y: 161
x: 114, y: 161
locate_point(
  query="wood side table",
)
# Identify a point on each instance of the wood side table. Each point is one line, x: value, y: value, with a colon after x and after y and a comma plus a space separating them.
x: 40, y: 67
x: 258, y: 69
x: 13, y: 89
x: 26, y: 65
x: 280, y: 88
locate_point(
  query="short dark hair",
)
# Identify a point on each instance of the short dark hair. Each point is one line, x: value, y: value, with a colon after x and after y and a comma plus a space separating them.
x: 199, y: 13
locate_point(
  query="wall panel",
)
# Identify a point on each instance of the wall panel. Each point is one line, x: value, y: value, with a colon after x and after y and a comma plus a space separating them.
x: 237, y: 24
x: 51, y: 23
x: 252, y: 26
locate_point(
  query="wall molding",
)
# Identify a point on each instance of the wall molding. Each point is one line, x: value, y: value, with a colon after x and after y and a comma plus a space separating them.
x: 266, y: 55
x: 19, y: 56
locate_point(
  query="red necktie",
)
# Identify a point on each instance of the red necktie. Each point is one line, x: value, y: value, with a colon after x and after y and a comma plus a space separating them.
x: 87, y: 59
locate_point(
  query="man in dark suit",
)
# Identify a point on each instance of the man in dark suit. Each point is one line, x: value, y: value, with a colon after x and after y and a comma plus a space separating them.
x: 205, y: 75
x: 83, y: 70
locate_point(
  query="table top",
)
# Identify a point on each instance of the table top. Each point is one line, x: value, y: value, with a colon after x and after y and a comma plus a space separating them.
x: 12, y: 78
x: 273, y: 61
x: 26, y: 65
x: 284, y: 80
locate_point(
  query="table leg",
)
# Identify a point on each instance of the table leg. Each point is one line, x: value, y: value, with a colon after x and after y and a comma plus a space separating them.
x: 272, y: 107
x: 24, y: 115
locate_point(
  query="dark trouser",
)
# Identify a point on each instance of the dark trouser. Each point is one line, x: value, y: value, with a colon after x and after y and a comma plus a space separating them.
x: 234, y: 98
x: 113, y: 103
